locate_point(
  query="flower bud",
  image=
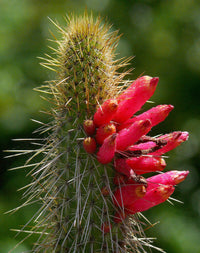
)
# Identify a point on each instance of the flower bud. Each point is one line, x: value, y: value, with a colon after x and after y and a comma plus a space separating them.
x: 104, y: 131
x: 105, y: 112
x: 173, y: 177
x: 173, y: 140
x: 129, y: 136
x: 142, y: 146
x: 155, y: 115
x: 89, y: 127
x: 152, y: 198
x: 132, y: 99
x: 146, y: 164
x: 89, y: 145
x: 127, y: 194
x: 107, y: 150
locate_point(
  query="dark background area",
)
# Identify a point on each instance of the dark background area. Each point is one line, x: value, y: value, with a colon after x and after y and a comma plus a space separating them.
x: 164, y: 37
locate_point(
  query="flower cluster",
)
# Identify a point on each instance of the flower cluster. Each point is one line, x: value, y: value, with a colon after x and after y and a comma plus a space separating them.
x: 122, y: 137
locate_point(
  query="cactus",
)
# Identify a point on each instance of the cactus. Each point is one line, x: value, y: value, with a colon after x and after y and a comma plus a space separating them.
x: 89, y: 180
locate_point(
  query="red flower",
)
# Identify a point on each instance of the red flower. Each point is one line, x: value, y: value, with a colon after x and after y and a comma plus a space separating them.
x: 130, y: 135
x: 89, y: 145
x: 173, y: 140
x: 107, y: 150
x: 89, y: 127
x: 144, y: 164
x: 155, y: 115
x: 173, y: 177
x: 128, y: 194
x: 123, y: 137
x: 131, y: 100
x: 105, y: 112
x: 153, y: 197
x: 104, y: 131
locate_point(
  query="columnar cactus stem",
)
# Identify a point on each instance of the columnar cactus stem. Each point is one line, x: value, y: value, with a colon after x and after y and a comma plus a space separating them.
x: 89, y: 181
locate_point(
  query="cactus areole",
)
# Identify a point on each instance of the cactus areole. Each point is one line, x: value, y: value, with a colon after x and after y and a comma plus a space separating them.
x: 91, y: 182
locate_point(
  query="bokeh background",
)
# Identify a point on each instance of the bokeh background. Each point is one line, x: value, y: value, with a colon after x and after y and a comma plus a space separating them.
x: 164, y: 37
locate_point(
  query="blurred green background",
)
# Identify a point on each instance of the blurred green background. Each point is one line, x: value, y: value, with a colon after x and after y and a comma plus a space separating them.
x: 164, y: 37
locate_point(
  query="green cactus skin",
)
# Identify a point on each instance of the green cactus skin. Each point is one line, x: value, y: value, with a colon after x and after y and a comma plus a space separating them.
x: 68, y: 181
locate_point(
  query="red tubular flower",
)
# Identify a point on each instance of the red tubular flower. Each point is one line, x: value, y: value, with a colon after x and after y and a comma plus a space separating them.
x: 104, y: 131
x: 152, y: 198
x: 159, y: 189
x: 124, y: 138
x: 107, y: 150
x: 139, y: 82
x: 129, y: 136
x: 126, y: 195
x: 173, y: 177
x: 155, y: 115
x: 143, y: 164
x: 105, y: 112
x: 131, y: 100
x: 173, y: 140
x: 142, y: 146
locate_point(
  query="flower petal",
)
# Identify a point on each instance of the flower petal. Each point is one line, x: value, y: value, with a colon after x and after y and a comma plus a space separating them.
x: 127, y: 194
x: 131, y: 100
x: 107, y: 150
x: 104, y: 131
x: 129, y: 136
x: 152, y: 198
x: 173, y: 140
x: 173, y: 177
x: 155, y: 115
x: 105, y: 112
x: 146, y: 164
